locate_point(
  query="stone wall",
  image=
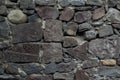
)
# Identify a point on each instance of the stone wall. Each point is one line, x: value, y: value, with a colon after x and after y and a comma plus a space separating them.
x: 59, y: 40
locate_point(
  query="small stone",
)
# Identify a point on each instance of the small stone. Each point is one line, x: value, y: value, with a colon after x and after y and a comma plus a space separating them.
x: 97, y: 23
x: 2, y: 19
x: 91, y: 34
x: 80, y: 75
x: 112, y: 3
x: 105, y: 30
x: 27, y: 4
x: 82, y: 16
x: 70, y: 28
x: 98, y: 13
x: 95, y: 2
x: 28, y: 12
x: 64, y: 3
x: 113, y: 15
x: 3, y: 10
x: 116, y: 25
x: 7, y: 77
x: 34, y: 18
x: 84, y: 27
x: 47, y: 12
x: 27, y: 32
x: 108, y: 62
x: 77, y: 2
x: 53, y: 31
x: 118, y: 61
x: 51, y: 68
x: 69, y: 42
x: 45, y: 2
x: 67, y: 14
x: 17, y: 17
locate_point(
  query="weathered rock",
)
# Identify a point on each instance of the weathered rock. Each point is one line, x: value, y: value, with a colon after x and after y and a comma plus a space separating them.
x: 47, y: 12
x: 98, y: 13
x: 91, y: 34
x: 67, y: 14
x: 53, y: 31
x: 69, y: 42
x: 94, y: 2
x: 80, y: 75
x: 108, y: 62
x: 113, y: 15
x: 84, y: 27
x: 64, y: 3
x: 7, y: 77
x: 79, y: 52
x: 17, y: 17
x: 3, y: 10
x: 63, y: 76
x: 45, y: 2
x: 27, y: 32
x: 77, y: 2
x: 70, y: 28
x: 27, y: 4
x: 83, y: 16
x: 39, y: 77
x: 105, y: 30
x: 34, y: 18
x: 117, y: 26
x: 51, y: 52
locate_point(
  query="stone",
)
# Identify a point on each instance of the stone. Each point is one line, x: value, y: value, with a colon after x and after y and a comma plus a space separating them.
x: 118, y: 61
x: 2, y: 2
x: 7, y: 77
x: 47, y: 12
x: 98, y: 13
x: 1, y: 69
x: 70, y: 28
x: 27, y: 32
x: 94, y: 2
x: 104, y: 48
x: 34, y: 18
x: 51, y: 68
x: 82, y: 16
x: 51, y: 52
x: 45, y: 2
x: 116, y: 25
x: 113, y: 15
x: 112, y: 3
x: 80, y: 75
x: 91, y: 34
x: 2, y: 19
x: 105, y: 30
x: 17, y: 17
x: 83, y: 8
x: 39, y: 77
x: 84, y: 27
x: 64, y: 3
x: 53, y: 31
x: 63, y: 76
x: 28, y: 12
x: 69, y: 42
x: 79, y: 52
x: 97, y: 23
x: 67, y: 14
x: 3, y: 10
x: 77, y: 2
x: 108, y: 62
x: 13, y: 0
x: 90, y: 64
x: 27, y: 4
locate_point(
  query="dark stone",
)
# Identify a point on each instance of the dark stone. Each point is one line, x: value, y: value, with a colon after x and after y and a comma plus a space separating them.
x: 80, y: 75
x: 2, y: 2
x: 70, y: 28
x: 53, y: 31
x: 69, y: 42
x: 67, y: 14
x: 105, y: 30
x: 79, y: 52
x: 1, y: 69
x: 2, y: 19
x: 91, y: 34
x: 27, y: 4
x: 94, y: 2
x: 47, y: 12
x: 112, y: 3
x: 3, y: 10
x: 51, y: 52
x: 45, y: 2
x: 28, y: 12
x: 116, y: 25
x: 118, y: 61
x: 34, y: 18
x: 82, y: 16
x: 27, y: 32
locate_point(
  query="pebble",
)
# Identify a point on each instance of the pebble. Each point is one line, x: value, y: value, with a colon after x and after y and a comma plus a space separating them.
x: 108, y: 62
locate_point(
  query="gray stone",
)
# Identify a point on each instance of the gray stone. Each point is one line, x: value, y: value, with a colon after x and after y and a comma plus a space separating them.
x: 34, y: 18
x: 47, y: 12
x: 53, y: 31
x: 77, y: 2
x: 116, y: 25
x: 28, y: 12
x: 2, y: 19
x: 64, y: 3
x: 45, y: 2
x: 27, y: 32
x: 112, y: 3
x: 3, y: 10
x: 7, y: 77
x: 105, y: 30
x: 84, y: 27
x: 91, y: 34
x: 94, y: 2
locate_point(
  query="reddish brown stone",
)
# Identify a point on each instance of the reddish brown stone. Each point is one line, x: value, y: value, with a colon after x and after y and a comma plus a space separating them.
x: 47, y: 12
x: 117, y: 25
x: 98, y: 13
x: 83, y: 16
x: 53, y: 30
x: 80, y: 75
x: 67, y: 14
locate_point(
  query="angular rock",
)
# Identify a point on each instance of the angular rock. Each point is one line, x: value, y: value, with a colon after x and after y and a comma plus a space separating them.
x: 105, y: 30
x: 79, y: 52
x: 80, y: 75
x: 113, y: 15
x: 94, y: 2
x: 27, y: 32
x: 27, y: 4
x: 3, y: 10
x: 45, y: 2
x: 70, y: 28
x: 108, y: 62
x: 69, y: 42
x: 17, y: 17
x: 82, y: 16
x: 67, y: 14
x: 51, y: 52
x: 117, y: 25
x: 47, y: 12
x: 91, y: 34
x: 98, y: 13
x: 53, y: 31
